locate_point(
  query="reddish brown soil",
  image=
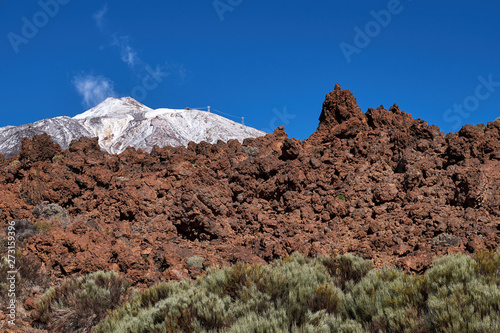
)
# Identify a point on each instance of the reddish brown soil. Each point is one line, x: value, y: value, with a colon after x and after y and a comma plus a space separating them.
x: 378, y: 184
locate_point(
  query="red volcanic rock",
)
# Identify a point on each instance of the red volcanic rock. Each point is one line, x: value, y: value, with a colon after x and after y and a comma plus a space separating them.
x: 341, y: 117
x: 339, y: 106
x: 378, y: 184
x: 39, y: 149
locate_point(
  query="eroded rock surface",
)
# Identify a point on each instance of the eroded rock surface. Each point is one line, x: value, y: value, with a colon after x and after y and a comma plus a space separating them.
x: 378, y: 184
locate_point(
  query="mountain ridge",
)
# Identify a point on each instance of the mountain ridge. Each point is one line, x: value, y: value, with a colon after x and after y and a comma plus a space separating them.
x: 120, y: 123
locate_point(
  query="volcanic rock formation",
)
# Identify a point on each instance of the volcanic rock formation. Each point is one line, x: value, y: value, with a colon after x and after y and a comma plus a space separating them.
x: 379, y: 184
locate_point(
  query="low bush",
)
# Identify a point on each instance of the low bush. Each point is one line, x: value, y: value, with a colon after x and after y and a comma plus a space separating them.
x: 347, y: 268
x: 465, y: 294
x: 78, y: 304
x: 388, y: 300
x: 276, y: 298
x: 195, y: 261
x: 488, y: 265
x: 326, y: 294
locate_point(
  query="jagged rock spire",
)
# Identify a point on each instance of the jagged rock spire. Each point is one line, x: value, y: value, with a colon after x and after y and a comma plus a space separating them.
x: 340, y: 116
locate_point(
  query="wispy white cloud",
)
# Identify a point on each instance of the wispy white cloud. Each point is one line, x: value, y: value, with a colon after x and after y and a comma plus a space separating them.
x: 99, y: 16
x: 93, y: 88
x: 127, y: 52
x: 129, y: 56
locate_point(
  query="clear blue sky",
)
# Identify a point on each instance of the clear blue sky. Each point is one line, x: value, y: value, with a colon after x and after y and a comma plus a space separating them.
x: 271, y: 62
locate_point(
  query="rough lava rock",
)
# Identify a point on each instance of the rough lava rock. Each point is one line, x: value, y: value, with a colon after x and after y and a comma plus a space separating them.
x: 379, y: 184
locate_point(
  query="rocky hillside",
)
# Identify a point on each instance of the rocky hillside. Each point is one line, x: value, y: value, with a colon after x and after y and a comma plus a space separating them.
x: 378, y: 184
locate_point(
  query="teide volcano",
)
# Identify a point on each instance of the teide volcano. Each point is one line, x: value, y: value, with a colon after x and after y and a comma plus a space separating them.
x: 119, y: 123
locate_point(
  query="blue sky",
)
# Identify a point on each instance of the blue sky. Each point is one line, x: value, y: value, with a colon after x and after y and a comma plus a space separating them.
x: 271, y: 62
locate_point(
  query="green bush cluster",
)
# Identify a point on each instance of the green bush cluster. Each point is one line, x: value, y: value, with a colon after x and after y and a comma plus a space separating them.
x: 78, y: 304
x: 341, y: 294
x: 295, y: 294
x: 458, y: 294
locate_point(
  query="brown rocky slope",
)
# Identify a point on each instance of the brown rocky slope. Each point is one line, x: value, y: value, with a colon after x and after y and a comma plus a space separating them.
x: 378, y: 184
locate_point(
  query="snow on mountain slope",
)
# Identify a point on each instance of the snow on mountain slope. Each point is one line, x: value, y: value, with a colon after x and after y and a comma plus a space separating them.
x: 119, y: 123
x: 124, y: 122
x: 115, y: 107
x: 63, y: 130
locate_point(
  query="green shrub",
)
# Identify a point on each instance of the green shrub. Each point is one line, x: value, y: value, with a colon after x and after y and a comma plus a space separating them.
x: 326, y: 297
x: 195, y: 261
x: 347, y: 268
x: 78, y: 304
x: 473, y: 307
x: 488, y: 265
x: 387, y: 300
x: 272, y: 320
x: 302, y: 278
x: 182, y: 308
x: 293, y: 290
x: 450, y: 270
x: 332, y: 324
x: 341, y: 294
x: 465, y: 294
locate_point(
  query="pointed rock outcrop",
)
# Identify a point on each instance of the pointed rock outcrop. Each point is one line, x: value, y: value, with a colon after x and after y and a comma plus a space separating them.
x: 340, y: 117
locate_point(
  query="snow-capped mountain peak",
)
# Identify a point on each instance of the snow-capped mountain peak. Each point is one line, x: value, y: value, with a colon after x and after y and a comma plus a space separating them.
x: 122, y: 122
x: 114, y: 107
